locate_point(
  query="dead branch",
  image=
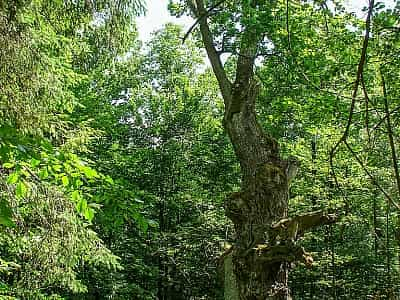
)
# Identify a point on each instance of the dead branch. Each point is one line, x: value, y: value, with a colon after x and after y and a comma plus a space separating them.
x: 283, y: 252
x: 302, y: 223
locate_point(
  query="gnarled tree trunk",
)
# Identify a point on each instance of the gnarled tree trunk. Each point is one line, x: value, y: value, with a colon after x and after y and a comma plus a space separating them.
x: 265, y: 238
x: 262, y: 201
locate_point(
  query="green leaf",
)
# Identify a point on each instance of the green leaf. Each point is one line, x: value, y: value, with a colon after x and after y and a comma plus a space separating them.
x: 34, y: 162
x: 21, y: 148
x: 143, y: 224
x: 3, y: 287
x: 89, y: 172
x: 81, y: 206
x: 43, y: 174
x: 152, y: 223
x: 115, y: 146
x: 8, y: 165
x: 89, y: 214
x: 109, y: 180
x: 21, y: 189
x: 95, y: 205
x: 78, y: 183
x: 65, y: 181
x: 46, y: 145
x: 138, y: 201
x: 6, y: 214
x: 136, y: 216
x: 56, y: 168
x: 6, y: 221
x: 13, y: 178
x: 76, y: 196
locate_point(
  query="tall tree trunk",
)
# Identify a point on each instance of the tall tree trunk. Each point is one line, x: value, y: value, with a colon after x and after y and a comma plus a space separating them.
x: 265, y: 237
x: 262, y: 201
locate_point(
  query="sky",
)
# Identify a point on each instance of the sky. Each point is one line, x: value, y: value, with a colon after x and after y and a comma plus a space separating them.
x: 157, y: 15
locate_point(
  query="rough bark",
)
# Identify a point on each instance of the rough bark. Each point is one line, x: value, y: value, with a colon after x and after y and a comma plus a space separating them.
x: 263, y: 200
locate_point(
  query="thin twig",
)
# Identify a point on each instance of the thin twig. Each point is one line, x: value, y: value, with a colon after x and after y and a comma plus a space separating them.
x: 390, y: 133
x: 373, y: 180
x: 384, y: 118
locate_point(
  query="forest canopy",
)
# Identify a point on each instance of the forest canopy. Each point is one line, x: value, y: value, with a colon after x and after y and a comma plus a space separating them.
x: 253, y: 155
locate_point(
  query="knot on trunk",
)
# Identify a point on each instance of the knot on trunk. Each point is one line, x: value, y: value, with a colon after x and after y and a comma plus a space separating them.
x: 271, y: 174
x: 236, y: 207
x: 291, y: 166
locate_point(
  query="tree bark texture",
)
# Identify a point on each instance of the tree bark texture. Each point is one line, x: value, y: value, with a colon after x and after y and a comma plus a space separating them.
x: 231, y: 291
x: 262, y: 201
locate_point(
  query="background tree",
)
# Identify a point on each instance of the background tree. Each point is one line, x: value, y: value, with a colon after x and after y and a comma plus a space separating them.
x: 45, y: 209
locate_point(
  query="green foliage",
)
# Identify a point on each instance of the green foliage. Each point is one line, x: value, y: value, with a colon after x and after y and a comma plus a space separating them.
x: 49, y: 191
x: 114, y: 164
x: 49, y: 245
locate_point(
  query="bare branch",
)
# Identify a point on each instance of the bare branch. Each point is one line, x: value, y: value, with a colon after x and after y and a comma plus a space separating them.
x: 385, y: 117
x: 373, y: 180
x: 283, y: 252
x: 219, y: 71
x: 360, y: 70
x: 359, y: 80
x: 303, y: 223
